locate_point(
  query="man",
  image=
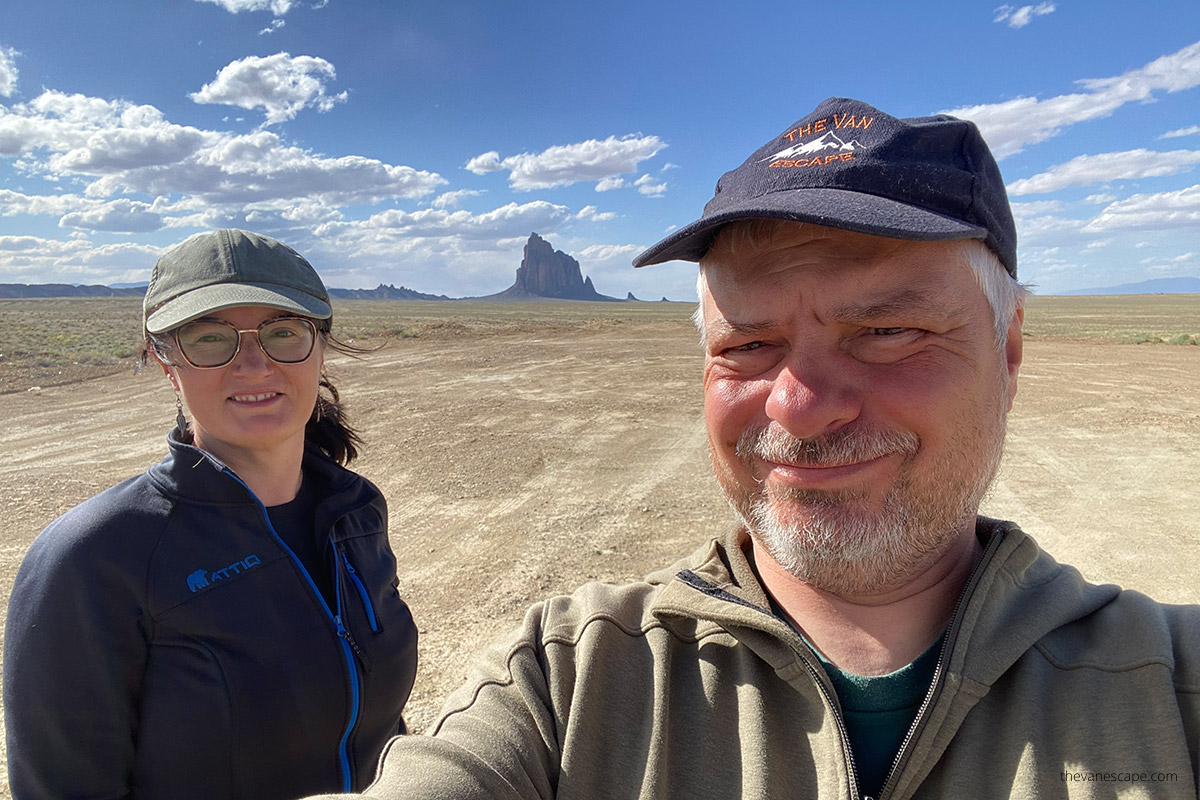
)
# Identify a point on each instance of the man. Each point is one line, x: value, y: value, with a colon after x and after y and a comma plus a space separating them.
x: 863, y: 633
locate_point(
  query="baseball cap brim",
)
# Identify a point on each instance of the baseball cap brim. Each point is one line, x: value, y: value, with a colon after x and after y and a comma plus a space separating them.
x: 834, y: 208
x: 207, y: 299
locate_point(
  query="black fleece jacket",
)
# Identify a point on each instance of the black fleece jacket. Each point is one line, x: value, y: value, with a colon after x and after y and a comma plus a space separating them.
x: 163, y: 641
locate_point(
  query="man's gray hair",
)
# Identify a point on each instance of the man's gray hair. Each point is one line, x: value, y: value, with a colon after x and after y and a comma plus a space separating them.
x: 1004, y: 293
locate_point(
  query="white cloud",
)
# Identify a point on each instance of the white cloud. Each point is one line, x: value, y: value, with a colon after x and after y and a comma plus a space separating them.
x: 650, y: 186
x: 1103, y: 167
x: 1013, y: 125
x: 1178, y: 132
x: 276, y: 7
x: 1039, y: 224
x: 8, y: 71
x: 14, y: 203
x: 1100, y: 199
x: 1020, y: 17
x: 1161, y: 211
x: 451, y: 199
x: 281, y: 85
x: 128, y: 148
x: 562, y: 165
x: 275, y: 25
x: 608, y: 184
x: 121, y: 215
x: 590, y: 212
x: 32, y: 259
x: 508, y: 220
x: 610, y: 252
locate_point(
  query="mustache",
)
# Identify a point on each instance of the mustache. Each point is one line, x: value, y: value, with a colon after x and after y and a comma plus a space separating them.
x: 842, y: 446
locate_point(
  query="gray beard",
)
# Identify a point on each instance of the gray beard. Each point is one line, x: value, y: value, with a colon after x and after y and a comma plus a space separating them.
x: 834, y: 540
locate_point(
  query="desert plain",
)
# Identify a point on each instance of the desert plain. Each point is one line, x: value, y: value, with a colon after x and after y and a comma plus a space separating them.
x: 528, y: 448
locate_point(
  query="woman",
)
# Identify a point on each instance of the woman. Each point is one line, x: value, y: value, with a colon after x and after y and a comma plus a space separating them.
x: 226, y: 624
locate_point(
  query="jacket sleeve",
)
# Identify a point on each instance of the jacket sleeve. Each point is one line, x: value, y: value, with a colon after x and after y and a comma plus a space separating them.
x: 74, y: 654
x: 497, y: 736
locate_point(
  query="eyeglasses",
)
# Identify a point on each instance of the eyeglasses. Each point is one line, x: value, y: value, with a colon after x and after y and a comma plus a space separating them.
x: 209, y: 344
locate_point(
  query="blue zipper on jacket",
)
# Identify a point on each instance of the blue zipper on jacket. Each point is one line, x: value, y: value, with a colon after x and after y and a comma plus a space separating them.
x: 362, y: 591
x: 343, y: 634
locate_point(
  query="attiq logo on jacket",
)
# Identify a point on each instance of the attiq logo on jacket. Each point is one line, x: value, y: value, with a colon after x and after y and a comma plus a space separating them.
x: 202, y: 578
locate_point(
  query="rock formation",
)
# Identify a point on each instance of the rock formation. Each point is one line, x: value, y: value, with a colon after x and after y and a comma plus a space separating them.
x: 548, y: 273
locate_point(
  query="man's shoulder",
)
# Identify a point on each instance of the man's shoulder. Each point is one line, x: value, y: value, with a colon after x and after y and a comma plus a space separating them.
x: 630, y: 610
x: 1130, y: 632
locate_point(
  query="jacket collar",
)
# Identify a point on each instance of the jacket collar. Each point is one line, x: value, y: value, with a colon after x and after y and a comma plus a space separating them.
x: 1016, y: 595
x: 197, y: 476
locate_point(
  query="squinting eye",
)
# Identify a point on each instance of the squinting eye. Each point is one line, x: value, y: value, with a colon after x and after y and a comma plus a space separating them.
x: 887, y: 331
x: 749, y: 346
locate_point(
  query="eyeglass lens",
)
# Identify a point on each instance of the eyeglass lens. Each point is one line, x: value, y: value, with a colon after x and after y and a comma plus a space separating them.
x: 212, y: 343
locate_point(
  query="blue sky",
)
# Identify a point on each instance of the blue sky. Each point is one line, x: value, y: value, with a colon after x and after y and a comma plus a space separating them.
x: 421, y: 143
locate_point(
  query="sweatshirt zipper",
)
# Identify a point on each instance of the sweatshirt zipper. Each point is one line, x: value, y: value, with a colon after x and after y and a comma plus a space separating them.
x: 700, y: 584
x: 344, y: 638
x: 935, y: 685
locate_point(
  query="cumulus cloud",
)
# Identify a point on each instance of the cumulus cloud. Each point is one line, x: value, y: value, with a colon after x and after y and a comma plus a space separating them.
x: 122, y: 215
x: 127, y: 148
x: 276, y: 7
x: 1161, y: 211
x: 25, y: 259
x: 14, y: 203
x: 451, y: 199
x: 610, y: 252
x: 1103, y: 167
x: 590, y: 212
x: 1013, y: 125
x: 275, y: 25
x: 1178, y: 132
x: 8, y: 71
x: 608, y: 184
x: 650, y: 186
x: 508, y: 220
x: 1020, y: 17
x: 562, y: 165
x: 281, y: 85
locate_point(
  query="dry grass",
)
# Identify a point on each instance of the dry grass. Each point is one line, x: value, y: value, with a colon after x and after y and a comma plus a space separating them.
x: 50, y: 341
x: 1130, y: 319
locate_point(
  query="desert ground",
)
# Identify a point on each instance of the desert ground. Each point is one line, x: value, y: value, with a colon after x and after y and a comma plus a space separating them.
x: 527, y: 450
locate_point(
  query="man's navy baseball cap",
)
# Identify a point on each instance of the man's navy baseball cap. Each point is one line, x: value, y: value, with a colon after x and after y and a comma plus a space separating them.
x: 848, y: 165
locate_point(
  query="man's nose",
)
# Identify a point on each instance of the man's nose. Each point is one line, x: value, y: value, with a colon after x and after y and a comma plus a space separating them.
x: 810, y: 397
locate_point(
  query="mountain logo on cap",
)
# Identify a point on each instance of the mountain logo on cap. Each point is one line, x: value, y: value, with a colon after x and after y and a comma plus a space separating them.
x: 829, y: 143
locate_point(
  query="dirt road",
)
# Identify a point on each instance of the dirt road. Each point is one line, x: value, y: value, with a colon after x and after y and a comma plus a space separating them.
x: 517, y: 466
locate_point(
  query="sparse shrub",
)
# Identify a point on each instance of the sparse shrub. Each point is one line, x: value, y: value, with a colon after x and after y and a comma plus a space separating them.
x: 1141, y: 338
x: 1182, y: 338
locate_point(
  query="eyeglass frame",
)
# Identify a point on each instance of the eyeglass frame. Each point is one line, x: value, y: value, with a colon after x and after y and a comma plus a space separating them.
x: 316, y: 329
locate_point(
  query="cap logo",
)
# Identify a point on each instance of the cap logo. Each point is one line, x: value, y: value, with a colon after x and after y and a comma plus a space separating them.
x: 825, y: 150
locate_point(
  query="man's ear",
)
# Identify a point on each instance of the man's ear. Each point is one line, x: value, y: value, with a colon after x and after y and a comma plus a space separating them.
x: 1014, y: 352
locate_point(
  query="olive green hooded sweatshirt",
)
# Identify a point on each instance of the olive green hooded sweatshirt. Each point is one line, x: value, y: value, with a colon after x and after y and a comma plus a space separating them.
x: 687, y: 686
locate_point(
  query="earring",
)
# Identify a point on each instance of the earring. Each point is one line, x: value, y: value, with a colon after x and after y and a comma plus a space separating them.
x: 180, y: 420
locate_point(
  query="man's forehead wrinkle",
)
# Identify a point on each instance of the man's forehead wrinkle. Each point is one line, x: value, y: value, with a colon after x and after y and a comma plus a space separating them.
x: 885, y: 304
x: 725, y: 325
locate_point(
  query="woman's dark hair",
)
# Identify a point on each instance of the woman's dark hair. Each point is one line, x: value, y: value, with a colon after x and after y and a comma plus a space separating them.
x: 327, y: 429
